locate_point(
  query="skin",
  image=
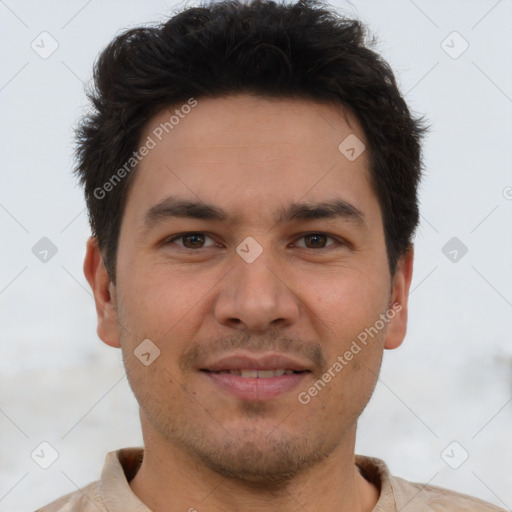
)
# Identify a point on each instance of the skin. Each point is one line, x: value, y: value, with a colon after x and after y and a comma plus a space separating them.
x: 307, y: 297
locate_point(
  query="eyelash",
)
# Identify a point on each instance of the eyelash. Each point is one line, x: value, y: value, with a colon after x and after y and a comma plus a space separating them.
x: 312, y: 233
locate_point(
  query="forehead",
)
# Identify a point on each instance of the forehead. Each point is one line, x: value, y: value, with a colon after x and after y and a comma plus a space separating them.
x: 227, y: 124
x: 251, y: 154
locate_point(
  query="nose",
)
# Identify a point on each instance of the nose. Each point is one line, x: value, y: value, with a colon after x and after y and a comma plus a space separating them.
x: 256, y: 296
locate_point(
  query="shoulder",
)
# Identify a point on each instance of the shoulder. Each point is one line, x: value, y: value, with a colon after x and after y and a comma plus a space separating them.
x: 414, y: 496
x: 399, y: 494
x: 111, y: 491
x: 87, y: 499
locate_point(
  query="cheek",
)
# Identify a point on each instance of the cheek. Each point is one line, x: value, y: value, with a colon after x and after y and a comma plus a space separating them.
x: 169, y: 311
x: 158, y: 301
x: 156, y: 387
x: 346, y: 303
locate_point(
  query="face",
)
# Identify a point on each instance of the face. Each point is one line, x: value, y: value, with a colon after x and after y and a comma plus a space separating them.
x: 251, y: 246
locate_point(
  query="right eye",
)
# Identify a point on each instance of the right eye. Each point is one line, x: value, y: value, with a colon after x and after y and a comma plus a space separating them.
x: 191, y: 240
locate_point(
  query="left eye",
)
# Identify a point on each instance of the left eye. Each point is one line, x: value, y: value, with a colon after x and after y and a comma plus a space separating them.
x: 315, y: 241
x: 192, y: 240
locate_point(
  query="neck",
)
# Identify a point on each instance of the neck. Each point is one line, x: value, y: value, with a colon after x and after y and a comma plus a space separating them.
x: 171, y: 480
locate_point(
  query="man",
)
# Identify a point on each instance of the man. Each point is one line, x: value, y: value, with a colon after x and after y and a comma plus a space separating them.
x: 251, y: 173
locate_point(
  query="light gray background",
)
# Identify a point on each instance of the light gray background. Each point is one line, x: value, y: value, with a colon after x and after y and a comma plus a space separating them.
x: 452, y: 378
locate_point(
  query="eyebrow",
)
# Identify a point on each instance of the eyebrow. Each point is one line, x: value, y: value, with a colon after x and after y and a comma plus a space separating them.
x: 172, y: 207
x: 334, y: 209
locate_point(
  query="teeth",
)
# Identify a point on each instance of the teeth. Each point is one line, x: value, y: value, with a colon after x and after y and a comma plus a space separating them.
x: 265, y: 374
x: 259, y: 374
x: 249, y: 373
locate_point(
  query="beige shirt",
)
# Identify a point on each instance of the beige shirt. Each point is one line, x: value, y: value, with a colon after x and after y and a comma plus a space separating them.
x: 113, y: 494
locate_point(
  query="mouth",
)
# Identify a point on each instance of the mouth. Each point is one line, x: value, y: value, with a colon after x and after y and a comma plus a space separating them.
x: 255, y: 377
x: 257, y: 374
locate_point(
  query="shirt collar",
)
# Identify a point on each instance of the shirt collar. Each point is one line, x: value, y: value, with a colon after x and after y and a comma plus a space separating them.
x: 122, y: 465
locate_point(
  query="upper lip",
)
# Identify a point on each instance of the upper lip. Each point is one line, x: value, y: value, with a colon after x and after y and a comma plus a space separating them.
x: 268, y: 361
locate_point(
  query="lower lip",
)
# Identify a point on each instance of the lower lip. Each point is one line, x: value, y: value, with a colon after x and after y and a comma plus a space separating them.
x: 253, y: 388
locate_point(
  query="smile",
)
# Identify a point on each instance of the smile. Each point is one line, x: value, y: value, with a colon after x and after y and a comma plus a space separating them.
x: 256, y: 385
x: 258, y: 374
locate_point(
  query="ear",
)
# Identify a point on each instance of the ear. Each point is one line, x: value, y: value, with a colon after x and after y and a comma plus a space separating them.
x: 104, y: 294
x: 401, y: 283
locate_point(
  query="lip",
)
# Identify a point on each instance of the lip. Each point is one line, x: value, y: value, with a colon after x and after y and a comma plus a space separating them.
x: 255, y: 389
x: 251, y: 361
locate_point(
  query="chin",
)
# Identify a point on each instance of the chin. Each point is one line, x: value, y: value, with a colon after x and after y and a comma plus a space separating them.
x: 258, y: 458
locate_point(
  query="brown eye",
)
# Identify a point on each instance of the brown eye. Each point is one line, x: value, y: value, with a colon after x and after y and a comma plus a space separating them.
x: 315, y: 241
x: 192, y: 240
